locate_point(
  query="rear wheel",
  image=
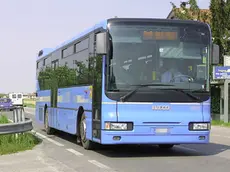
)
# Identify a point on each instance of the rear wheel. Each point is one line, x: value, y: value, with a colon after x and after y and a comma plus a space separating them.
x: 48, y: 129
x: 166, y: 146
x: 87, y: 144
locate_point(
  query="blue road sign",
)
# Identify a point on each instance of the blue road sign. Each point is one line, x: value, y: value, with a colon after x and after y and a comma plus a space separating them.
x: 221, y: 72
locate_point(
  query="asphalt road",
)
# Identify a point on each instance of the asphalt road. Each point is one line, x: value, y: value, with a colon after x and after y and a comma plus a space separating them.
x: 63, y: 149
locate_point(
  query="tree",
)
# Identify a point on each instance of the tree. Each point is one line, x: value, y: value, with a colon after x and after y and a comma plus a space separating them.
x: 217, y: 18
x: 61, y: 76
x: 3, y: 95
x: 220, y: 24
x: 64, y: 76
x: 193, y: 12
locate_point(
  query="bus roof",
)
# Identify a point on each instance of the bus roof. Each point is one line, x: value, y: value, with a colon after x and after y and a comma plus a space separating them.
x: 47, y: 51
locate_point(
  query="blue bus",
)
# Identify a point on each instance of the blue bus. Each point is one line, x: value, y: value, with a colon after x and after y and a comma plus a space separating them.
x: 129, y: 81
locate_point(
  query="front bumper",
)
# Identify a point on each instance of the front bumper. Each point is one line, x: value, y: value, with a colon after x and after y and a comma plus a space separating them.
x: 146, y: 135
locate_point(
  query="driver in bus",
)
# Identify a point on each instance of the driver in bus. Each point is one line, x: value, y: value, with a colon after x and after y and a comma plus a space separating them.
x: 172, y: 74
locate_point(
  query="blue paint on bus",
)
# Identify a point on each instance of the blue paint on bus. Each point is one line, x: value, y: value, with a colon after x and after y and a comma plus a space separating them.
x: 149, y: 125
x: 48, y: 51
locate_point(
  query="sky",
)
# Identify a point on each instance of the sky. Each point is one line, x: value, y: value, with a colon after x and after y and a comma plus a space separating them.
x: 28, y: 26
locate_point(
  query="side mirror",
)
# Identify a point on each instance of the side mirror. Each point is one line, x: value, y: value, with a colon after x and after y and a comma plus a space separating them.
x: 215, y: 54
x: 101, y: 43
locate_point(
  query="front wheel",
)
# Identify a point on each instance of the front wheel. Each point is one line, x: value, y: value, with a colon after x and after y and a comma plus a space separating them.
x: 87, y: 144
x: 166, y: 146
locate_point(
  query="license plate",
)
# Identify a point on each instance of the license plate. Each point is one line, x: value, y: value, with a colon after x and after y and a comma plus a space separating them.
x: 161, y: 130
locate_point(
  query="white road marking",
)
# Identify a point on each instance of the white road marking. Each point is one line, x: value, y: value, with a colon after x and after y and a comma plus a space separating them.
x: 44, y: 137
x: 94, y: 162
x: 74, y: 152
x: 50, y: 140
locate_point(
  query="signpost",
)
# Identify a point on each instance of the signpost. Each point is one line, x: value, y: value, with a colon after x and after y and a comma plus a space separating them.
x: 226, y: 60
x: 223, y: 73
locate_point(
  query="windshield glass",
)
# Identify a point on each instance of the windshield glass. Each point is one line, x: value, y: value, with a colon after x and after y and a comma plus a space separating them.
x: 143, y: 53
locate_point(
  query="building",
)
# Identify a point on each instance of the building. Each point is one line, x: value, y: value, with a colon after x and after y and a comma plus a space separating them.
x: 29, y: 95
x: 26, y: 95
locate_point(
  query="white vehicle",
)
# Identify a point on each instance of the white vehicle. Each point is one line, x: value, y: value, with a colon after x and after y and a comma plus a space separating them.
x: 16, y: 98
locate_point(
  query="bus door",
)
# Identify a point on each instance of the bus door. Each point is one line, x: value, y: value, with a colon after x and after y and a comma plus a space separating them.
x: 53, y: 103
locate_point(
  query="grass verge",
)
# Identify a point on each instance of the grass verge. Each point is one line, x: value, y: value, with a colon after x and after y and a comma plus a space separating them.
x: 13, y: 143
x: 29, y: 105
x: 220, y: 123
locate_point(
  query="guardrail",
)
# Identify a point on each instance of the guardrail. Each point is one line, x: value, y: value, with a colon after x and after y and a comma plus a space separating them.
x: 19, y: 124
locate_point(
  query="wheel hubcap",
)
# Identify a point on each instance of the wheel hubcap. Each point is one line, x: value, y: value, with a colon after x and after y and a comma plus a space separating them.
x: 83, y: 130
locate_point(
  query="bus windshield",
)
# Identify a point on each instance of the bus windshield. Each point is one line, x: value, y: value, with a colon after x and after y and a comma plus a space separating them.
x: 161, y: 53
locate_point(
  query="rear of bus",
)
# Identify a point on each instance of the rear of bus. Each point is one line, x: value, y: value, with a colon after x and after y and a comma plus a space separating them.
x: 17, y: 99
x: 140, y: 103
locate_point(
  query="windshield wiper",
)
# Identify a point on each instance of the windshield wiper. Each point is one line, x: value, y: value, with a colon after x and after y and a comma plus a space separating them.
x: 199, y: 91
x: 114, y: 90
x: 186, y: 93
x: 123, y: 98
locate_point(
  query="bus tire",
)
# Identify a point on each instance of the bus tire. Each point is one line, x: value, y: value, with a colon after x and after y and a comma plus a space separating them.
x: 166, y: 146
x: 48, y: 129
x: 87, y: 144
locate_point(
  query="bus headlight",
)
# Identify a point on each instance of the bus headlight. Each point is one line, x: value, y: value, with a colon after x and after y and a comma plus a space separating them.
x: 199, y: 126
x: 118, y: 126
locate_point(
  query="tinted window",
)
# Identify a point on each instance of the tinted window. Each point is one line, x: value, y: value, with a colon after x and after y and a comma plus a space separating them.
x: 80, y: 46
x: 67, y: 52
x: 142, y: 53
x: 55, y: 64
x: 73, y: 70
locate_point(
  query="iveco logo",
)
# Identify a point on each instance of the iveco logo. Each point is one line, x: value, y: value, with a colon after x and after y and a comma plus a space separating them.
x: 160, y: 107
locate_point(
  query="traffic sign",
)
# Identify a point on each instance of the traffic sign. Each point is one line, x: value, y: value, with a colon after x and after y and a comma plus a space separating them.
x: 221, y: 72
